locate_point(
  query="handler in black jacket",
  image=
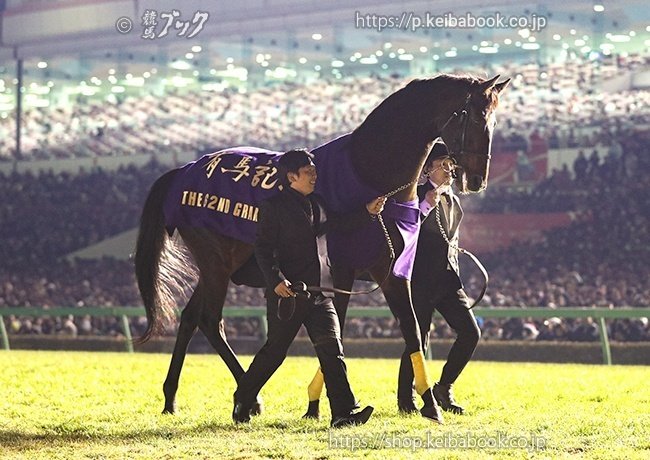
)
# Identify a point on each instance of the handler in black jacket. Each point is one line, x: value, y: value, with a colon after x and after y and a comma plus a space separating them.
x: 436, y: 283
x: 291, y: 247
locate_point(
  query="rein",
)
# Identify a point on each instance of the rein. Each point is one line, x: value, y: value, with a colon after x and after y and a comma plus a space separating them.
x: 303, y: 289
x: 477, y: 262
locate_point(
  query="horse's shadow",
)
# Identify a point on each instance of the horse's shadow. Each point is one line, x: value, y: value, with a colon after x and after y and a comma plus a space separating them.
x: 14, y: 439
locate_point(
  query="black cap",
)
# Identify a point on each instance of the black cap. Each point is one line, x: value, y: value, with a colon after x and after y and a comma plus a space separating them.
x: 439, y: 150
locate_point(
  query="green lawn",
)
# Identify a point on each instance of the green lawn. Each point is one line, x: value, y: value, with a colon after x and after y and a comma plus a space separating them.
x: 107, y: 406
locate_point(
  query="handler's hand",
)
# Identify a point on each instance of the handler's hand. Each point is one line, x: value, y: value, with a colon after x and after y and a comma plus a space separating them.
x: 282, y: 289
x: 433, y: 196
x: 376, y: 206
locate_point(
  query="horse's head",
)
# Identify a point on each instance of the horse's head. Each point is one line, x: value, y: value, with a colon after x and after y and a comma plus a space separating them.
x: 390, y: 147
x: 468, y: 133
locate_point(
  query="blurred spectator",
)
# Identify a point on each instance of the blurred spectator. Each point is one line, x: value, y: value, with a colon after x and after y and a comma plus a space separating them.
x: 580, y: 166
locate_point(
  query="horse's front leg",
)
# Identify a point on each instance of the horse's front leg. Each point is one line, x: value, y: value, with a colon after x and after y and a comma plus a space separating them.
x: 343, y: 278
x: 398, y: 296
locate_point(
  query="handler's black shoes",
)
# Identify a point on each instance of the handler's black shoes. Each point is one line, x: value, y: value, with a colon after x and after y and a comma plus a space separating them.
x: 406, y: 406
x: 241, y: 413
x: 445, y: 397
x: 359, y: 418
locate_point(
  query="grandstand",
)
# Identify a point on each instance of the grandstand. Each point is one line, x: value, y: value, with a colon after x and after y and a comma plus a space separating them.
x: 102, y: 114
x: 196, y: 120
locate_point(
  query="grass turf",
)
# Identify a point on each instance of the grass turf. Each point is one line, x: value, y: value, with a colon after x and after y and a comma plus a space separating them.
x: 60, y: 405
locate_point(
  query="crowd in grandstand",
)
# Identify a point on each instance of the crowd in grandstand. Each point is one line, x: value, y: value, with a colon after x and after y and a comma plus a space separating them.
x: 598, y: 261
x: 555, y: 99
x: 47, y: 215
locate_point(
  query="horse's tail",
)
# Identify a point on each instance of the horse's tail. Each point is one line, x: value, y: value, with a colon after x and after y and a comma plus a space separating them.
x: 160, y: 262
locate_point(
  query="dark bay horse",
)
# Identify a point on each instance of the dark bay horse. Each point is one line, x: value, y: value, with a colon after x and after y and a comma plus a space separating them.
x: 387, y: 152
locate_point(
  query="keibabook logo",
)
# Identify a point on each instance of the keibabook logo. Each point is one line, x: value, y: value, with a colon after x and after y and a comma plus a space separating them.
x: 157, y: 25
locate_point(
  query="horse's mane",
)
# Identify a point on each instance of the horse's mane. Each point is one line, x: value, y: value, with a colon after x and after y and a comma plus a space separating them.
x: 405, y: 104
x: 473, y: 81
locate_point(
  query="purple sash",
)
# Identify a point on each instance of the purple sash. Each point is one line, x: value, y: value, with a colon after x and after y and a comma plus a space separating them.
x: 221, y: 191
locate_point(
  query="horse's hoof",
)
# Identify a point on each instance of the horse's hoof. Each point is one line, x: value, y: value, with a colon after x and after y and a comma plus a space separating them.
x: 432, y: 413
x: 406, y: 406
x: 169, y: 408
x: 312, y: 411
x: 258, y: 407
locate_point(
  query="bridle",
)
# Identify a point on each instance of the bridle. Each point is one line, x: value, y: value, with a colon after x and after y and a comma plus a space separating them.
x: 463, y: 118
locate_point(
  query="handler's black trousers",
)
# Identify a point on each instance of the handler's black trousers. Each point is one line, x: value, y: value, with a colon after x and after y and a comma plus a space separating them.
x: 320, y: 318
x: 453, y: 306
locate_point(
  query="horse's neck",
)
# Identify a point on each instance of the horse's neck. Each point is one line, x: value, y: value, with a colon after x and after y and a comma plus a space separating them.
x: 389, y: 151
x: 386, y: 164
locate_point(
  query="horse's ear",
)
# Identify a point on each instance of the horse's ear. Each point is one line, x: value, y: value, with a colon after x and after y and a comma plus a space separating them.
x: 488, y: 84
x: 501, y: 86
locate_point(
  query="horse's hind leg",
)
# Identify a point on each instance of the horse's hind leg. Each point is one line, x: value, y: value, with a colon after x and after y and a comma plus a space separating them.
x: 214, y: 331
x: 186, y: 330
x: 219, y: 266
x: 206, y: 304
x: 211, y: 318
x: 212, y: 325
x: 213, y: 328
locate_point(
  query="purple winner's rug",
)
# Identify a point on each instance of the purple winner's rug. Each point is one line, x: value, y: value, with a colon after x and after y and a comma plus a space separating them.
x: 222, y: 191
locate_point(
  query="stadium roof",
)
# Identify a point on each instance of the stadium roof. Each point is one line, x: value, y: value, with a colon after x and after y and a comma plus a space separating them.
x: 76, y: 41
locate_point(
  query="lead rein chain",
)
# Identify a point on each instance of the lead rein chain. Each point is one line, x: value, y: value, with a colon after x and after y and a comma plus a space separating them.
x: 391, y: 251
x: 478, y: 263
